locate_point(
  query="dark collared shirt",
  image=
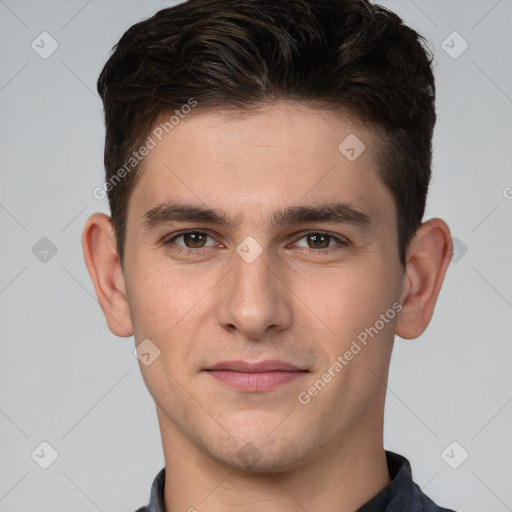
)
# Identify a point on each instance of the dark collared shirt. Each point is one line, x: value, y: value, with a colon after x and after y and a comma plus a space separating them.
x: 400, y: 495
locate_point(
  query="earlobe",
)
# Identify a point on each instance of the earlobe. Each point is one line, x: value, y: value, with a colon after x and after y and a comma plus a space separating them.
x: 104, y: 266
x: 428, y: 257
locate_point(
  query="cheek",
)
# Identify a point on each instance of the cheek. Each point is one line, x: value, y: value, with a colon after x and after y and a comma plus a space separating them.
x: 161, y: 295
x: 162, y: 307
x: 350, y: 303
x: 345, y: 299
x: 172, y: 306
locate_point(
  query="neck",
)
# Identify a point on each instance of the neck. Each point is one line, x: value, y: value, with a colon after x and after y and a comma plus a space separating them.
x: 343, y: 475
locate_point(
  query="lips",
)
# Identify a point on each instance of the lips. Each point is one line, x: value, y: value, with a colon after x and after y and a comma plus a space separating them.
x: 263, y: 366
x: 262, y: 376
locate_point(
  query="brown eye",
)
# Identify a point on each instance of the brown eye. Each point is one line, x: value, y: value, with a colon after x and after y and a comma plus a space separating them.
x: 318, y: 241
x: 190, y: 241
x: 194, y: 240
x: 323, y: 242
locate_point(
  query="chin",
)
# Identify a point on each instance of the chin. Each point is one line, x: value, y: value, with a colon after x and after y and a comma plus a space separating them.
x: 262, y: 455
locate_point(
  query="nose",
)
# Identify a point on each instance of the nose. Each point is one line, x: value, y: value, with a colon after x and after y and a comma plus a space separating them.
x: 255, y: 300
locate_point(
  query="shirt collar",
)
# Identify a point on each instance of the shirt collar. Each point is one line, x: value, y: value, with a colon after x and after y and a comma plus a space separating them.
x: 398, y: 491
x: 156, y: 500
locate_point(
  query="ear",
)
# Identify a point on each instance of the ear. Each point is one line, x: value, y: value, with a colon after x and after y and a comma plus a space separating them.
x: 104, y: 266
x: 427, y: 260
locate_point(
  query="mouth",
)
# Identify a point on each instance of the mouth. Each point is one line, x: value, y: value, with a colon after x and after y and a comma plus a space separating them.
x: 262, y: 376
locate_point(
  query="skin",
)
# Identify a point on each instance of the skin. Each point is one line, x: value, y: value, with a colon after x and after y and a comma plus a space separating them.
x: 303, y: 304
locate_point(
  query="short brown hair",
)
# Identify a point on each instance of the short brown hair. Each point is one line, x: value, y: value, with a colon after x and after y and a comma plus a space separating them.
x: 342, y: 55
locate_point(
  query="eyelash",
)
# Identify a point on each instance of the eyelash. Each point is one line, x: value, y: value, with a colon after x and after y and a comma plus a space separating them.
x: 194, y: 251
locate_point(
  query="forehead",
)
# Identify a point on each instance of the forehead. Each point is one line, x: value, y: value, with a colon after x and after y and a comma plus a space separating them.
x: 281, y: 155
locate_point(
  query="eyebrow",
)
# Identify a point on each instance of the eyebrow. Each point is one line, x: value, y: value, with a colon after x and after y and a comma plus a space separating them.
x: 337, y: 213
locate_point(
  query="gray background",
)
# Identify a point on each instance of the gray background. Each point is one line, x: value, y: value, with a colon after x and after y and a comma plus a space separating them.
x: 65, y: 379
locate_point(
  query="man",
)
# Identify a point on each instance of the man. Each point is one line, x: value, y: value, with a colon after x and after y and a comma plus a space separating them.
x: 267, y: 166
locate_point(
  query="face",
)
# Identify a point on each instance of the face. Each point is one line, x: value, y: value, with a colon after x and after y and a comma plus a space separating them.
x: 258, y: 258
